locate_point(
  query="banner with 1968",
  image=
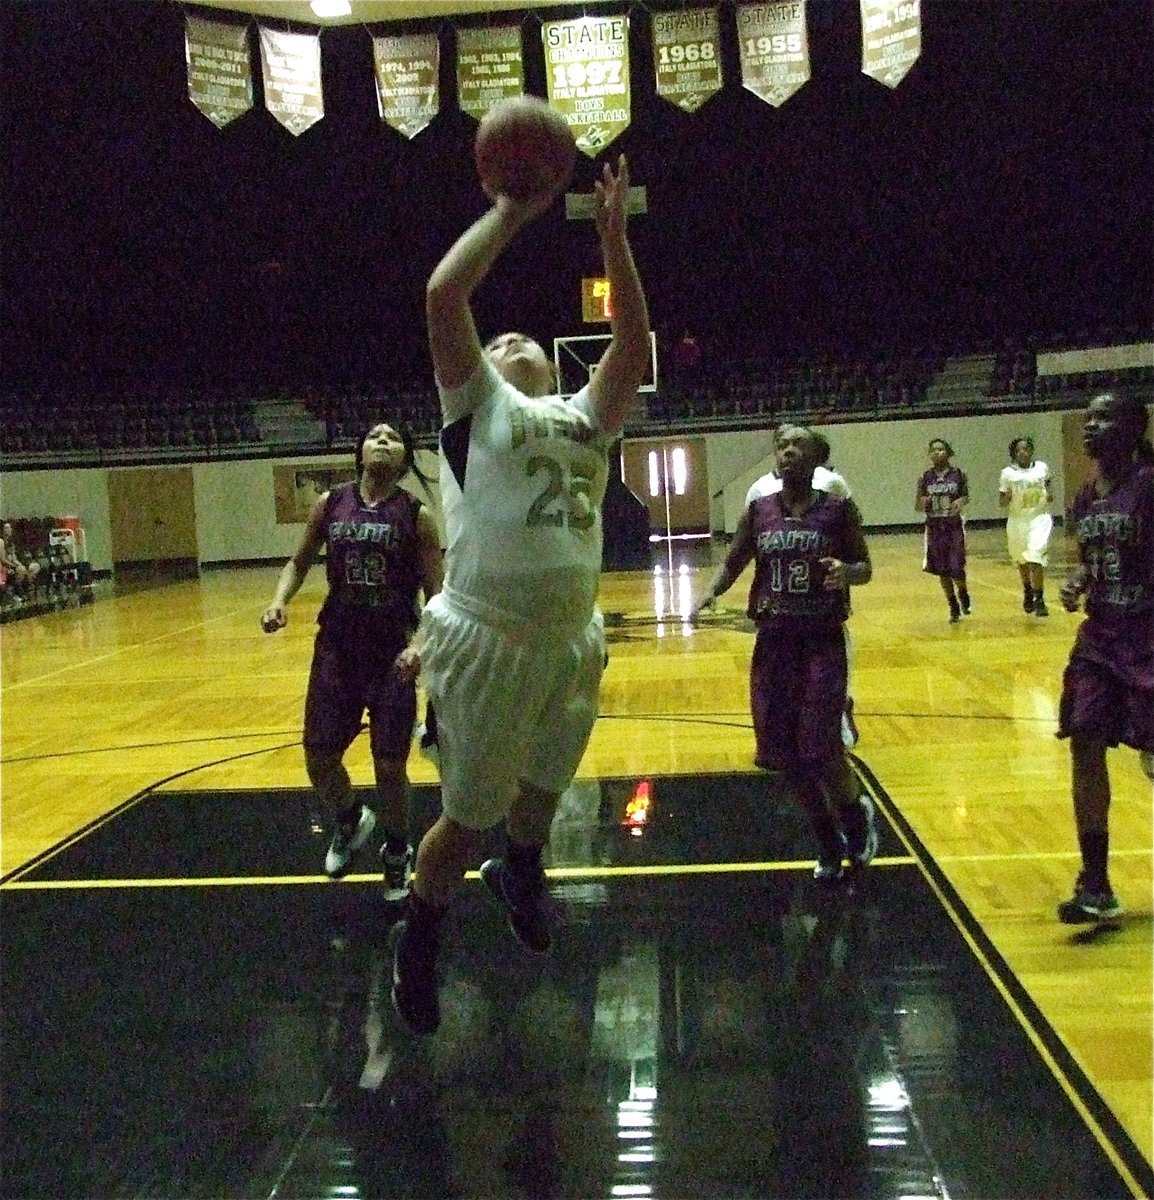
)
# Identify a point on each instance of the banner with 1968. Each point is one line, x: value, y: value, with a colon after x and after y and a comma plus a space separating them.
x: 687, y: 56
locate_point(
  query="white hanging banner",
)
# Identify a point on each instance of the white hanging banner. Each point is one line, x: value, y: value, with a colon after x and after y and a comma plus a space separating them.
x: 587, y: 72
x: 219, y: 72
x: 490, y: 67
x: 408, y: 80
x: 291, y: 70
x: 774, y: 49
x: 687, y: 56
x: 891, y: 39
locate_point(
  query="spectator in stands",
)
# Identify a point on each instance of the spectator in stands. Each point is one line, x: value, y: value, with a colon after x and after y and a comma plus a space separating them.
x: 1108, y: 686
x: 382, y: 550
x: 942, y: 495
x: 808, y: 549
x: 21, y: 568
x: 1026, y: 492
x: 685, y: 357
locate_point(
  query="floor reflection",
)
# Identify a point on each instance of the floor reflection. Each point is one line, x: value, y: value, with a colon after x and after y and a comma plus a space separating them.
x: 737, y: 1030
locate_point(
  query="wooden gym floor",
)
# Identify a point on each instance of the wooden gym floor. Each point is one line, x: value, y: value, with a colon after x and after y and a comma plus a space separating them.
x: 192, y: 1011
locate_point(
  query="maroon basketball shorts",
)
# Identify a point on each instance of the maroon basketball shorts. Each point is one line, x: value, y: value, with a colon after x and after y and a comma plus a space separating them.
x: 1108, y: 685
x: 945, y: 552
x: 349, y: 678
x: 797, y: 689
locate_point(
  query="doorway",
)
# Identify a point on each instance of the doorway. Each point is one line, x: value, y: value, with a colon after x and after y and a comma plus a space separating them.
x: 152, y: 514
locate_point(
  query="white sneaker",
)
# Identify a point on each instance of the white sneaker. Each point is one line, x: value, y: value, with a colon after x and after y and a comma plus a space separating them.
x: 398, y: 871
x: 863, y: 848
x: 346, y: 842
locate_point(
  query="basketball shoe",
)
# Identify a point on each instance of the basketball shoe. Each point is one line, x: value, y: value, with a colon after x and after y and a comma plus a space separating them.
x: 829, y: 863
x: 398, y: 871
x: 526, y: 903
x: 1087, y: 906
x: 347, y: 840
x: 862, y: 844
x: 414, y: 992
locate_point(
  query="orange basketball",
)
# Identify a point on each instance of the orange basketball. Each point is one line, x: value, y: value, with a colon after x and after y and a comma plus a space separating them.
x: 524, y: 148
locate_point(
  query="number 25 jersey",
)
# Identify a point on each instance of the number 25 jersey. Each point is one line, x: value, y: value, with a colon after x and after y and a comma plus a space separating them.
x: 522, y: 482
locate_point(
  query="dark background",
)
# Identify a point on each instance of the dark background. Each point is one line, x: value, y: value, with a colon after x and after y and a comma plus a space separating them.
x: 1002, y: 192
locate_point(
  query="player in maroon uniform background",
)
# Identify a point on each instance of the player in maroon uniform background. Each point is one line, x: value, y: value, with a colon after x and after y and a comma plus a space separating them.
x: 808, y: 550
x: 382, y: 552
x: 1108, y: 685
x: 942, y: 494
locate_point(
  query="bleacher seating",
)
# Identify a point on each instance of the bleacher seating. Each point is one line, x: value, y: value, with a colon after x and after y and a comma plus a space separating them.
x: 731, y: 388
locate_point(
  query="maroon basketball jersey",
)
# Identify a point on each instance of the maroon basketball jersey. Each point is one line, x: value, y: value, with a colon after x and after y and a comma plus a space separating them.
x: 943, y: 489
x: 373, y: 565
x: 1116, y: 545
x: 788, y: 577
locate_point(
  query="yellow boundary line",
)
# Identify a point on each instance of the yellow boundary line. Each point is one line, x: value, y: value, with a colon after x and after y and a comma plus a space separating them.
x: 558, y: 873
x: 1035, y: 1039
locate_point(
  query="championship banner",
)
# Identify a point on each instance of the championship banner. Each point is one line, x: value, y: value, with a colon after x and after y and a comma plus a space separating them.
x: 891, y: 38
x: 489, y: 68
x: 291, y: 68
x: 219, y: 73
x: 408, y: 84
x: 687, y: 56
x: 774, y: 48
x: 587, y: 71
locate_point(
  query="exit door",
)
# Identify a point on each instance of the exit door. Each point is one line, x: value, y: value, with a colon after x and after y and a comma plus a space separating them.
x: 670, y: 477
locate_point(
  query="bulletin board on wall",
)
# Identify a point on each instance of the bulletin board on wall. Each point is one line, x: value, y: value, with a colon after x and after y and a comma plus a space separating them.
x: 297, y: 488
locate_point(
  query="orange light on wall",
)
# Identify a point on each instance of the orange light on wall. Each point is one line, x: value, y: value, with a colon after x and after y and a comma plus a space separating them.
x: 637, y: 809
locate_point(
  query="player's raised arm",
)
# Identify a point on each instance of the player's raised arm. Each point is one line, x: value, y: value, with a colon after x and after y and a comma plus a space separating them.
x: 622, y: 368
x: 524, y: 153
x: 453, y: 340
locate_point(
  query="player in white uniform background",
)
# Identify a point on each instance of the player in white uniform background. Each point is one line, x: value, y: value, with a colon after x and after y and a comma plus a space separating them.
x: 1025, y: 490
x: 824, y: 480
x: 513, y: 648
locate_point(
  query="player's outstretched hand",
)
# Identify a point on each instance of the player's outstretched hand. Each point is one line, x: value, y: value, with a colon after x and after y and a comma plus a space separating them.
x: 1071, y: 592
x: 408, y: 665
x: 273, y: 618
x: 610, y: 194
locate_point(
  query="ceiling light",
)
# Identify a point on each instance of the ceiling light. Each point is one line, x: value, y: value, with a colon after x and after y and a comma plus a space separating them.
x: 331, y: 8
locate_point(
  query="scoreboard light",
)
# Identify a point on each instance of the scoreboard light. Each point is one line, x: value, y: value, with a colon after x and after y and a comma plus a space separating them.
x: 596, y: 301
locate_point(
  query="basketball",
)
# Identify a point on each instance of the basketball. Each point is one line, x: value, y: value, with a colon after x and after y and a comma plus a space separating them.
x: 524, y: 149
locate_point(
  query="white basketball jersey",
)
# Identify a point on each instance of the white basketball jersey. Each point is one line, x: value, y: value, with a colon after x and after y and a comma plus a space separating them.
x: 1027, y: 488
x: 522, y: 482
